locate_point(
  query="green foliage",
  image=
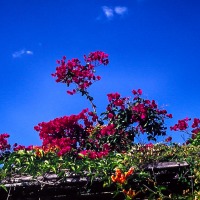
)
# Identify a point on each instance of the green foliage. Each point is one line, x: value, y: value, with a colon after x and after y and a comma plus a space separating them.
x: 31, y: 163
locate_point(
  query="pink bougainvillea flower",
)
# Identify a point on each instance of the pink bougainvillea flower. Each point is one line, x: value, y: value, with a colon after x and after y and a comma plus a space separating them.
x: 110, y: 115
x: 169, y: 139
x: 195, y: 123
x: 139, y: 91
x: 4, y: 142
x: 181, y: 125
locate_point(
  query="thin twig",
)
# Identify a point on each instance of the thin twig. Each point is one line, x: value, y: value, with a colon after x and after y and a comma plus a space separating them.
x: 8, y: 193
x: 149, y: 189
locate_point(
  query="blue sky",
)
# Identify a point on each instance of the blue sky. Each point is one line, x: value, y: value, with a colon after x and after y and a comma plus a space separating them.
x: 153, y: 45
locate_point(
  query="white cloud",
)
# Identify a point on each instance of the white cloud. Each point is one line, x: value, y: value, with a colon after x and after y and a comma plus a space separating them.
x: 22, y: 52
x: 120, y: 10
x: 111, y: 12
x: 108, y: 11
x: 29, y: 52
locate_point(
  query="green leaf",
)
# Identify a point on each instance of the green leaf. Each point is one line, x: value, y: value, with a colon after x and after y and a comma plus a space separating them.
x: 18, y: 160
x: 73, y: 168
x: 4, y: 187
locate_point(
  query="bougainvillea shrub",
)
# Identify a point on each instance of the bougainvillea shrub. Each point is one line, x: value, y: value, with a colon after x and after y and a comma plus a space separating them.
x: 89, y: 133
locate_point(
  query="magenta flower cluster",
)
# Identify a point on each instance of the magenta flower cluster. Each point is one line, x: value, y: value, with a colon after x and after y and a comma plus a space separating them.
x: 82, y: 76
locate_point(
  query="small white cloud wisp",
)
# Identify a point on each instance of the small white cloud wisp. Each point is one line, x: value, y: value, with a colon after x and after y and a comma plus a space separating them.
x: 22, y: 52
x: 120, y: 10
x: 108, y: 11
x: 111, y: 12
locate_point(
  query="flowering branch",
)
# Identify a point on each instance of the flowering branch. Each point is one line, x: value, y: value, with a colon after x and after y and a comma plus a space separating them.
x: 82, y: 76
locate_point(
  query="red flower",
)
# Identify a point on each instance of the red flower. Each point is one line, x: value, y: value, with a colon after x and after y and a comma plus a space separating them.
x: 110, y: 115
x: 113, y: 96
x: 139, y: 91
x: 93, y: 154
x: 182, y: 125
x: 108, y: 130
x: 169, y: 115
x: 134, y: 92
x: 19, y: 147
x: 169, y: 139
x: 195, y: 122
x: 196, y: 131
x: 149, y: 146
x: 70, y: 92
x: 4, y: 142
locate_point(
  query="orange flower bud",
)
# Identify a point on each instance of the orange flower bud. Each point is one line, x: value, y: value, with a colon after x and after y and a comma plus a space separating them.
x: 118, y: 171
x: 131, y: 193
x: 130, y: 171
x: 113, y: 178
x: 124, y: 191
